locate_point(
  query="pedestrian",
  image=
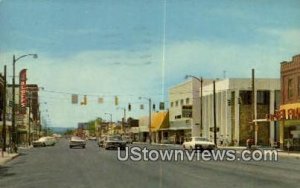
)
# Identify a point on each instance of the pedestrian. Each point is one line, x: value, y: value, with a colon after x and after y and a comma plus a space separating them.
x: 249, y: 143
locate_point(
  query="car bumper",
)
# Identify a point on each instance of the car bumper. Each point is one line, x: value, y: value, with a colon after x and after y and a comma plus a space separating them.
x: 204, y: 147
x: 37, y: 144
x: 77, y: 144
x: 115, y: 145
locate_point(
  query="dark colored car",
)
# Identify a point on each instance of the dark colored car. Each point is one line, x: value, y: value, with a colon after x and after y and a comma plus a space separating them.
x: 76, y: 141
x: 114, y: 142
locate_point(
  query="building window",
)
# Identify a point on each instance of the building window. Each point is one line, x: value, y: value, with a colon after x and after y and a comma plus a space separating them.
x: 172, y: 104
x: 290, y: 88
x: 187, y: 111
x: 178, y: 117
x: 263, y: 97
x: 245, y: 97
x: 187, y: 101
x: 181, y: 102
x: 176, y: 103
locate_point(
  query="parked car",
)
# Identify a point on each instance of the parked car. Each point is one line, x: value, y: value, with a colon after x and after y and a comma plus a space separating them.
x: 114, y: 142
x: 76, y: 141
x: 127, y: 139
x: 198, y: 143
x: 101, y: 141
x: 44, y: 141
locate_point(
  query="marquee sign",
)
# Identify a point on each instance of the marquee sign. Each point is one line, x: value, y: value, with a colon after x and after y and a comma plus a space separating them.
x: 285, y: 114
x: 23, y: 91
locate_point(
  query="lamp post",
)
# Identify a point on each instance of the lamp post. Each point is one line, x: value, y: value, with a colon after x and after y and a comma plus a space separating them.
x: 124, y: 118
x: 14, y: 135
x: 149, y: 125
x: 201, y: 99
x: 110, y: 117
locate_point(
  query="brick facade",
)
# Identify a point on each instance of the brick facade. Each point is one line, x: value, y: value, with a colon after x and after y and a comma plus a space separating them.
x: 290, y: 81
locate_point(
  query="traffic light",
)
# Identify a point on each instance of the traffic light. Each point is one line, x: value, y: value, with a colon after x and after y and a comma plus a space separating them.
x: 129, y: 107
x: 84, y: 102
x: 100, y: 100
x: 116, y: 101
x: 142, y: 107
x: 153, y: 107
x: 74, y: 99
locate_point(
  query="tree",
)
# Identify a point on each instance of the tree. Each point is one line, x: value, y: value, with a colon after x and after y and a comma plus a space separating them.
x: 69, y: 132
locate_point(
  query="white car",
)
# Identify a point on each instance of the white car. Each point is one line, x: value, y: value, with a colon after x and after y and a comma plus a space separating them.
x: 76, y: 141
x: 44, y: 141
x: 199, y: 143
x: 127, y: 139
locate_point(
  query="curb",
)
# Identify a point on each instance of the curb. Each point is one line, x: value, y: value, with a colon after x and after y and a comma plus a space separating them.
x: 156, y: 144
x: 9, y: 159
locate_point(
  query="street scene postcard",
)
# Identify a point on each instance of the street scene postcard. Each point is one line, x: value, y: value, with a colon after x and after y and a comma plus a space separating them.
x: 149, y: 93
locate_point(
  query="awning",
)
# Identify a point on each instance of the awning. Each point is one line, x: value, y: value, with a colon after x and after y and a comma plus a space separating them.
x: 160, y: 120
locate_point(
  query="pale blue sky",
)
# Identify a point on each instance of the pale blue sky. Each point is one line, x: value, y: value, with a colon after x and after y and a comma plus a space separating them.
x: 115, y: 47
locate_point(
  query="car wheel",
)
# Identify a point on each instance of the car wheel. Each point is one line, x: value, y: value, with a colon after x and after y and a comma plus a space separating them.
x: 44, y: 145
x: 71, y: 147
x: 83, y: 147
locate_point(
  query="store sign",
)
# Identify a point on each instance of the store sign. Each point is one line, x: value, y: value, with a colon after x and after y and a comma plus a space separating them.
x: 285, y: 114
x: 23, y: 90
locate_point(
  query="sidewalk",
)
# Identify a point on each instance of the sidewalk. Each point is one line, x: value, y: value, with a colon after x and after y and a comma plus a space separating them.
x: 10, y: 156
x: 281, y: 153
x: 157, y: 144
x: 7, y: 157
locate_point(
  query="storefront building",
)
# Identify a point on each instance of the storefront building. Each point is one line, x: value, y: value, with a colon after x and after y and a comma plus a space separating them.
x: 184, y: 110
x: 234, y: 111
x: 289, y: 114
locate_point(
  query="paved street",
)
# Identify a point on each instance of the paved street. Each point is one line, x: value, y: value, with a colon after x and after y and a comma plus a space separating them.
x: 60, y: 166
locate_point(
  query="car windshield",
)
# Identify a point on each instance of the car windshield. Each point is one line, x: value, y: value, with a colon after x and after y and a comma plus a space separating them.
x: 114, y: 138
x: 42, y: 139
x: 149, y: 93
x: 76, y: 138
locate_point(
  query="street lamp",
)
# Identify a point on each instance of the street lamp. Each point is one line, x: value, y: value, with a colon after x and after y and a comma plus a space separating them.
x: 124, y: 118
x: 201, y: 98
x: 110, y: 117
x: 14, y: 135
x: 149, y: 125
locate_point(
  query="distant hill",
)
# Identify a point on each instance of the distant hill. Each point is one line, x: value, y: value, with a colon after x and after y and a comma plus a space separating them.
x: 61, y: 130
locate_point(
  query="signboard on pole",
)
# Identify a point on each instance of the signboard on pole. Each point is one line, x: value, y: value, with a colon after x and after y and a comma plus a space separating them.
x: 23, y: 90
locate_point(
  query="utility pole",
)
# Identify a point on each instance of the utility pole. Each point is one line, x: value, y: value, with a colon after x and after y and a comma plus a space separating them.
x: 150, y: 134
x: 255, y: 127
x: 201, y: 99
x: 124, y: 120
x: 4, y: 113
x: 149, y: 125
x: 13, y: 121
x: 201, y: 112
x: 29, y: 124
x: 214, y: 111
